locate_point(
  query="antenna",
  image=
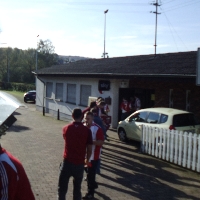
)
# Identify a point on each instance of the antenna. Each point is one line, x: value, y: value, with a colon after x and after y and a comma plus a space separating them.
x: 156, y: 12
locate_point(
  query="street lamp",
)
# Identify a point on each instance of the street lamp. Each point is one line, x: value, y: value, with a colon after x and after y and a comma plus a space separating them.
x: 104, y: 53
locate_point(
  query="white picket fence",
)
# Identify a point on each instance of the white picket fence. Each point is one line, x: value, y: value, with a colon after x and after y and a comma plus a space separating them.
x: 173, y: 146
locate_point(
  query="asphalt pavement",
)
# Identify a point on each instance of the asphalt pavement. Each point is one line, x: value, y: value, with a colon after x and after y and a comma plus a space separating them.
x: 36, y: 140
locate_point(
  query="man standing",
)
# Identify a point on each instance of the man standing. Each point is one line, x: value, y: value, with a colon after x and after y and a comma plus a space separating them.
x: 78, y: 143
x: 98, y: 139
x: 14, y: 183
x: 125, y: 108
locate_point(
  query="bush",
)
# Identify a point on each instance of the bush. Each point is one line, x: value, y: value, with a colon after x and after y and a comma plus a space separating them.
x: 22, y: 87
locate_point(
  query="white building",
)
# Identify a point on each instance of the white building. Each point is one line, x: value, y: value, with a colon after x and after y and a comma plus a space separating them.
x: 64, y: 87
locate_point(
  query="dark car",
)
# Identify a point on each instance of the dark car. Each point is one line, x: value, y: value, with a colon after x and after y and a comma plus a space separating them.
x: 30, y: 96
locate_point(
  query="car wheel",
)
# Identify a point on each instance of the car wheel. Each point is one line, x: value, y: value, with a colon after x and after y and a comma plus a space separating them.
x: 122, y: 135
x: 25, y: 101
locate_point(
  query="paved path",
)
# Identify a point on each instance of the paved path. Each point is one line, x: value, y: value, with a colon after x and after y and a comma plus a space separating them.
x: 126, y: 174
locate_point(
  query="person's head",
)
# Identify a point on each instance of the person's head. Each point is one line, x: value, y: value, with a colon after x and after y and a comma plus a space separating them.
x: 101, y: 104
x: 100, y: 99
x: 94, y: 111
x: 89, y: 118
x: 125, y: 100
x: 77, y: 114
x: 92, y: 104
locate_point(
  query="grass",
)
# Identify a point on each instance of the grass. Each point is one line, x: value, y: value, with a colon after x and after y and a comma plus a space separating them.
x: 16, y: 94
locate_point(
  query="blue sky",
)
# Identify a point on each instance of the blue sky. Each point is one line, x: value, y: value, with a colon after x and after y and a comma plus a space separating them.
x: 77, y: 27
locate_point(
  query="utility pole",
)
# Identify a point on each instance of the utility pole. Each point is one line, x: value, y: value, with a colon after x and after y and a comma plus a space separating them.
x: 104, y: 52
x: 156, y: 12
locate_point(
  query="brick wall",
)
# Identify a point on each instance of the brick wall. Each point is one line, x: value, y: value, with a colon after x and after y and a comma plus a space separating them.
x: 161, y: 86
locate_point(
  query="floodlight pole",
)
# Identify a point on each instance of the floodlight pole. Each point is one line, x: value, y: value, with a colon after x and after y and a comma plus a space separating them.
x: 104, y: 53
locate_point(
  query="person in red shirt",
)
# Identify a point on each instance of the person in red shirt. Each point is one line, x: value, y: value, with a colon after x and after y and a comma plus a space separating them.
x: 98, y: 140
x: 125, y: 108
x: 14, y: 183
x: 78, y: 143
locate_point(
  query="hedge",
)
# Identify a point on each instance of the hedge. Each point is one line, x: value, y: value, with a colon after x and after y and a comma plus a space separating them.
x: 22, y: 87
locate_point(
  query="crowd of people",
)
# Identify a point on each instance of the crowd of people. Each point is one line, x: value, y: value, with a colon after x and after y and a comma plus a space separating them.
x: 128, y: 107
x: 84, y: 138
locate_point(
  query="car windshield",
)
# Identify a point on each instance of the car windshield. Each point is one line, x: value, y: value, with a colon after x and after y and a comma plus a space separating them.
x: 184, y: 120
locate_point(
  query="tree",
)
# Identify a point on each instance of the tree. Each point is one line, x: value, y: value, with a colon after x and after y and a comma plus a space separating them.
x: 46, y: 55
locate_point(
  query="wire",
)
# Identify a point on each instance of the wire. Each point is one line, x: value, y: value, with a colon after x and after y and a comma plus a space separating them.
x: 175, y: 32
x: 181, y: 5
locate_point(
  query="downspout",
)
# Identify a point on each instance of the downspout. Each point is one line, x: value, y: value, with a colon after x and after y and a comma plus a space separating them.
x: 43, y: 108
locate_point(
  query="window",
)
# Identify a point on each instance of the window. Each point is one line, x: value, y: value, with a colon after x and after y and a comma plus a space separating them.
x: 49, y: 89
x: 153, y: 118
x: 141, y: 117
x: 163, y: 118
x: 85, y: 93
x: 71, y: 93
x: 59, y: 91
x: 184, y: 120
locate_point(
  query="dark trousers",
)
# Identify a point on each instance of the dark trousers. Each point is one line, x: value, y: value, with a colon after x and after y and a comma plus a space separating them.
x: 66, y: 171
x: 91, y: 177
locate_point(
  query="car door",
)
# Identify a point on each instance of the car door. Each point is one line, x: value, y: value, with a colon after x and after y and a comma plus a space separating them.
x: 134, y: 125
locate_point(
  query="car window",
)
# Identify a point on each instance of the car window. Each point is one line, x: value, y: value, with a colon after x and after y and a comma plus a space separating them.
x: 184, y: 120
x: 141, y: 117
x: 153, y: 117
x: 163, y: 118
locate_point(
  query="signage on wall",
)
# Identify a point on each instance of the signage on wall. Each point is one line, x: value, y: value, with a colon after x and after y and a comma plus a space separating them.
x: 104, y: 85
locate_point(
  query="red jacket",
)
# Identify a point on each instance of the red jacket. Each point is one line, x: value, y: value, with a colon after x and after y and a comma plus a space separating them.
x: 14, y: 183
x: 125, y: 107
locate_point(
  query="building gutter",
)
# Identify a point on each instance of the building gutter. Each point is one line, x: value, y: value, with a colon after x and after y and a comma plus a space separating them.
x: 43, y: 108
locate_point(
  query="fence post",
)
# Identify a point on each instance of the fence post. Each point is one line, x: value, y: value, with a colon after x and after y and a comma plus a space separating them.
x: 164, y: 144
x: 185, y: 149
x: 172, y: 146
x: 189, y: 150
x: 198, y: 160
x: 176, y: 147
x: 180, y: 147
x: 194, y: 151
x: 142, y: 142
x: 58, y: 115
x: 168, y: 139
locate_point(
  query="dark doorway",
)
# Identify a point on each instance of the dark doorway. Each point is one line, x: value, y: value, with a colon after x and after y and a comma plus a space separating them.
x: 146, y: 97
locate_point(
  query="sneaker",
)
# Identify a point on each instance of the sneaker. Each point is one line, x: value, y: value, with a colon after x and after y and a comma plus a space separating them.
x: 88, y: 196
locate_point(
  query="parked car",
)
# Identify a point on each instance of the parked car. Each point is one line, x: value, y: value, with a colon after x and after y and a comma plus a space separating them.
x: 30, y: 96
x: 167, y: 118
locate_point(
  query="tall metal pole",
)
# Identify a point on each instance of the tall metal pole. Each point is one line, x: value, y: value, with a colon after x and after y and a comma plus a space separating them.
x: 104, y: 53
x: 156, y: 4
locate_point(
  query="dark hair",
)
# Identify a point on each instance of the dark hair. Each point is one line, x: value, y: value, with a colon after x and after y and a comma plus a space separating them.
x: 102, y: 103
x: 77, y: 113
x: 89, y: 113
x: 92, y: 104
x: 99, y: 98
x: 94, y: 110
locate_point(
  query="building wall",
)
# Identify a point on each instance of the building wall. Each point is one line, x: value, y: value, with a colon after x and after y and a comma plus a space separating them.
x: 65, y: 109
x: 162, y: 87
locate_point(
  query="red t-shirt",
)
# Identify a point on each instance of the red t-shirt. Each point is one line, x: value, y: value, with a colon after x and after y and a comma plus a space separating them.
x: 97, y: 134
x: 14, y: 183
x: 76, y: 137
